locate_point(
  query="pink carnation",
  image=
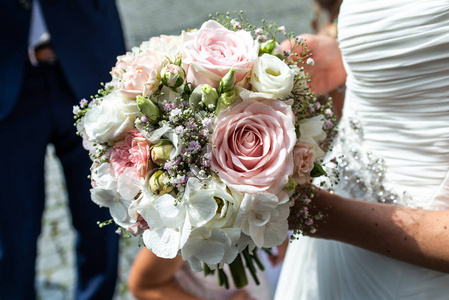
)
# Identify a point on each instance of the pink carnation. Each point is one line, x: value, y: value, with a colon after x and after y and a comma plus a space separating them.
x: 253, y: 146
x: 142, y: 75
x: 303, y: 157
x: 133, y: 151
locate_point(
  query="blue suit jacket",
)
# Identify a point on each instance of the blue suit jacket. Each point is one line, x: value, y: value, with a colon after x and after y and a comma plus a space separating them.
x: 86, y: 34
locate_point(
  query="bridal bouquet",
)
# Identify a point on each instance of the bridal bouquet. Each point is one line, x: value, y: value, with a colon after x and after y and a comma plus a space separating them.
x: 202, y: 142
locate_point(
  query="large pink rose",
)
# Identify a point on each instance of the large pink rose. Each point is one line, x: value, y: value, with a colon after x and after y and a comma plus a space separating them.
x: 253, y: 146
x: 209, y: 53
x: 133, y: 151
x: 303, y: 157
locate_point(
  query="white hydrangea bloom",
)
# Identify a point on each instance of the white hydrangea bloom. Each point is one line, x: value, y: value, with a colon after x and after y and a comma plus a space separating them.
x: 212, y: 246
x: 264, y: 219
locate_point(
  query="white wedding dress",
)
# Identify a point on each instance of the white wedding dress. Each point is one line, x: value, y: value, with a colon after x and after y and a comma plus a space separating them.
x: 394, y: 138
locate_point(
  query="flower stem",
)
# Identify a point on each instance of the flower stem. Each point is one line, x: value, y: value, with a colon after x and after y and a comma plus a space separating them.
x: 250, y: 265
x: 207, y: 270
x: 258, y: 262
x: 223, y: 278
x: 238, y: 273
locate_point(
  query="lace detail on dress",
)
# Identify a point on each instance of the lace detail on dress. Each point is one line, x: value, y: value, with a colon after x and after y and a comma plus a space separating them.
x: 361, y: 172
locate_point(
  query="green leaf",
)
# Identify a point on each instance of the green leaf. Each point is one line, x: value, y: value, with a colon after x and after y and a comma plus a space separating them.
x: 317, y: 170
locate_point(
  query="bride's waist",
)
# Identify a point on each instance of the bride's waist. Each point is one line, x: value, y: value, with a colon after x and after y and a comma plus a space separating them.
x: 378, y: 155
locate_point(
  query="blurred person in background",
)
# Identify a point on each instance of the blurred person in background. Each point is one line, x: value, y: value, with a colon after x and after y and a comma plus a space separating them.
x: 325, y: 23
x: 54, y: 53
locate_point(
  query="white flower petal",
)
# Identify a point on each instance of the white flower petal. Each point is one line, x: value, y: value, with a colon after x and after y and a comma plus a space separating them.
x: 275, y: 233
x: 201, y: 208
x: 163, y: 242
x: 111, y: 200
x: 172, y: 215
x: 195, y: 264
x: 210, y: 246
x: 257, y: 234
x: 128, y: 184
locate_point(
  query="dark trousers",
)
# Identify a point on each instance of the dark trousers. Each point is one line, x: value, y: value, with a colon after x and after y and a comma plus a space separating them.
x: 43, y: 115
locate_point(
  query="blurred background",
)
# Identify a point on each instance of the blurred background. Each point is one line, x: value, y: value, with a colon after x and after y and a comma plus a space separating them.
x: 141, y: 19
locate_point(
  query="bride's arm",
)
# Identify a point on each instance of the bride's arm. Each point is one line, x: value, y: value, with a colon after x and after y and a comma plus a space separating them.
x: 417, y: 236
x: 151, y: 277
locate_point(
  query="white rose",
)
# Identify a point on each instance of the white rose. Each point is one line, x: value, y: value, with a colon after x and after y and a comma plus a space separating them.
x: 311, y: 131
x: 272, y: 76
x: 228, y: 205
x: 115, y: 115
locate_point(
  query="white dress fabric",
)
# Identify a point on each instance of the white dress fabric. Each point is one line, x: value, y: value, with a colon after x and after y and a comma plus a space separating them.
x: 394, y: 137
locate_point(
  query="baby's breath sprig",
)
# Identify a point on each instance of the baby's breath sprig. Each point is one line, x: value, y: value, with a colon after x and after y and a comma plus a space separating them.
x: 105, y: 223
x: 193, y: 129
x: 239, y: 22
x: 303, y: 215
x: 79, y: 111
x: 104, y: 91
x: 267, y: 31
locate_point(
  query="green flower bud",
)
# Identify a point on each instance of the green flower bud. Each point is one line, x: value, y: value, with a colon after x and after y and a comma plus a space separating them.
x: 226, y: 99
x: 158, y: 183
x: 291, y: 186
x: 267, y: 47
x: 149, y: 109
x: 209, y: 97
x: 227, y: 82
x: 173, y: 75
x: 160, y: 152
x: 204, y: 95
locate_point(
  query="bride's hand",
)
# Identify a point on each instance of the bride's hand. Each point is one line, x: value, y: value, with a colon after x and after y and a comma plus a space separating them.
x: 278, y: 258
x: 328, y: 72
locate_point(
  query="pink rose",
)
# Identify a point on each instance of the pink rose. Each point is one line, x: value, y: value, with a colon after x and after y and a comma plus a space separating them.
x: 209, y: 54
x: 122, y: 64
x: 142, y: 75
x: 133, y: 151
x: 253, y: 146
x: 303, y: 158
